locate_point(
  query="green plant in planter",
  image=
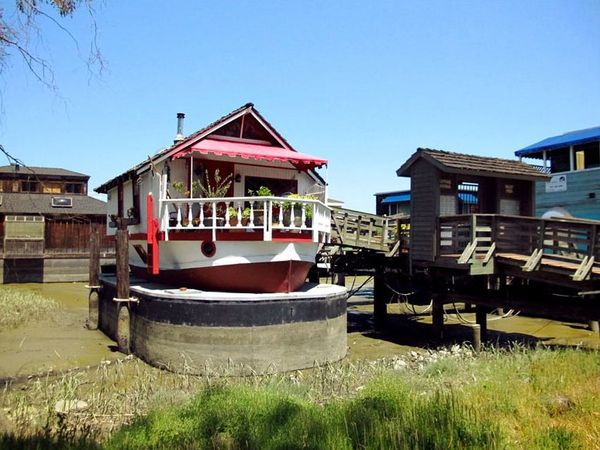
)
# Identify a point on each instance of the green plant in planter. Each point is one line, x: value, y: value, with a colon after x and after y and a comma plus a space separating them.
x: 216, y: 189
x: 233, y: 215
x: 232, y: 212
x: 308, y: 210
x: 262, y: 191
x: 179, y: 186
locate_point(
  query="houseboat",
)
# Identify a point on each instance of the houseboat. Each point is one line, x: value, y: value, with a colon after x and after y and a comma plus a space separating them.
x: 232, y: 207
x: 572, y: 160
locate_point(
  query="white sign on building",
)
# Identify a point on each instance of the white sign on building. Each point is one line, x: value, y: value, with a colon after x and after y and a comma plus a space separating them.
x: 557, y: 183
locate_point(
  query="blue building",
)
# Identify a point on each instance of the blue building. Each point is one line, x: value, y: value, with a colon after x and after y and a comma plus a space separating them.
x: 573, y: 161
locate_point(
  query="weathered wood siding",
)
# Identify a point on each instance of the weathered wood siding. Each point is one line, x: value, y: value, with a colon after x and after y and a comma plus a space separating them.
x: 576, y: 199
x: 424, y: 210
x: 69, y: 236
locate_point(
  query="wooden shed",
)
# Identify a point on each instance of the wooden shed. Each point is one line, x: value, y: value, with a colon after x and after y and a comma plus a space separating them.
x: 46, y: 218
x: 447, y: 184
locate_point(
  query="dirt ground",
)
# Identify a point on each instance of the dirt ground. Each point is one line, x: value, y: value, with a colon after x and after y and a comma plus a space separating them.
x: 56, y: 344
x: 64, y: 343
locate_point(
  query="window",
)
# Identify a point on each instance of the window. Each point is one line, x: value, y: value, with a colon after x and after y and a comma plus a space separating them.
x: 29, y: 186
x: 559, y: 160
x: 587, y: 156
x: 468, y: 199
x: 278, y: 187
x: 74, y: 188
x: 51, y: 188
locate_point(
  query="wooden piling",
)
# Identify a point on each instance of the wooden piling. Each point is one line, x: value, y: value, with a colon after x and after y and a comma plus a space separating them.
x: 476, y: 337
x: 339, y: 278
x: 380, y: 297
x: 437, y: 315
x: 123, y: 327
x: 594, y: 326
x: 94, y: 282
x: 481, y: 319
x: 122, y: 289
x: 313, y: 274
x: 122, y: 258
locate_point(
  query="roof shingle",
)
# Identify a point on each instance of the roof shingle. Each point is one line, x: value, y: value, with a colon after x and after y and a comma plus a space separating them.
x: 473, y: 165
x: 31, y: 203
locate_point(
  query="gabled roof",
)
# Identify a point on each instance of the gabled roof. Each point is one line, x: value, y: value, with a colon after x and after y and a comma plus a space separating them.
x: 30, y: 203
x: 570, y: 138
x: 195, y: 137
x: 482, y: 166
x: 22, y: 171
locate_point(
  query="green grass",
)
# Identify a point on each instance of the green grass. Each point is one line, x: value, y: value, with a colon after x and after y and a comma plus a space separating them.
x: 18, y: 306
x: 515, y: 398
x: 384, y: 416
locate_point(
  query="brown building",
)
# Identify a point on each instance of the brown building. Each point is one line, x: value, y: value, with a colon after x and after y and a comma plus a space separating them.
x: 46, y: 218
x: 447, y: 184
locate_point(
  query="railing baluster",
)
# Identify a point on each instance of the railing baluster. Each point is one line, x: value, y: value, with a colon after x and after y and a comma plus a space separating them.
x: 189, y: 214
x: 292, y: 215
x: 303, y: 215
x: 280, y: 217
x: 239, y: 214
x: 178, y: 224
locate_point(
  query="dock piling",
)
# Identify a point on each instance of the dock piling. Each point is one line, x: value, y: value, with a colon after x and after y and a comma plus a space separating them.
x: 481, y: 320
x: 94, y: 281
x: 380, y: 297
x: 476, y: 328
x: 122, y: 289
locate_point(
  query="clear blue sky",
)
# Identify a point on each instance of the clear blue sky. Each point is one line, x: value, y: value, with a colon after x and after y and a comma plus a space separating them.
x: 362, y: 84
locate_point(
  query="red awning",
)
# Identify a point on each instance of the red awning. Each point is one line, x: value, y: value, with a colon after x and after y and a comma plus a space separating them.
x: 252, y: 151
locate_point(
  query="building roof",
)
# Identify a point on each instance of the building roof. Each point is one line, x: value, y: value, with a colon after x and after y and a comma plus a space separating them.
x: 191, y: 140
x: 397, y: 198
x: 563, y: 140
x: 15, y: 169
x: 31, y: 203
x: 483, y: 166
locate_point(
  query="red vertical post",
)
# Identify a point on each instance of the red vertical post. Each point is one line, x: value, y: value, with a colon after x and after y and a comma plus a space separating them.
x: 152, y: 261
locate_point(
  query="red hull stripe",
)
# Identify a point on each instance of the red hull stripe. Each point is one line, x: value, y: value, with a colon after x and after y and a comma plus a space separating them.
x: 282, y: 276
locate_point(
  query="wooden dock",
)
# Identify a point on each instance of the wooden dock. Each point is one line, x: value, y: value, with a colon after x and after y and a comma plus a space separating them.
x: 541, y: 266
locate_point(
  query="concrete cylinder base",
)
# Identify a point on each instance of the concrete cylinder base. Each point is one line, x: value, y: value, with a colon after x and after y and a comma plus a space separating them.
x: 219, y: 333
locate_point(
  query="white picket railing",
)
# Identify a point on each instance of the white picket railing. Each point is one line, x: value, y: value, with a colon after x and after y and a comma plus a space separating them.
x: 252, y: 213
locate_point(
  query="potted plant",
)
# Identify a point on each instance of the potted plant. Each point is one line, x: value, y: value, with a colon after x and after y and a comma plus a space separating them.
x: 218, y: 188
x: 233, y: 216
x: 179, y: 187
x: 262, y: 191
x: 308, y: 210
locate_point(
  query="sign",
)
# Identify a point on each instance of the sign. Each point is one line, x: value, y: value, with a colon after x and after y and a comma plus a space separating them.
x: 557, y: 183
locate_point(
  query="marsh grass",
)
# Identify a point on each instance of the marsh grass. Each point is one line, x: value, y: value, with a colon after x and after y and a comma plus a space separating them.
x: 515, y: 398
x: 17, y: 307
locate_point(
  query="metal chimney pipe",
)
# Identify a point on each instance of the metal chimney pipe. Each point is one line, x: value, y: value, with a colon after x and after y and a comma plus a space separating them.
x: 179, y: 135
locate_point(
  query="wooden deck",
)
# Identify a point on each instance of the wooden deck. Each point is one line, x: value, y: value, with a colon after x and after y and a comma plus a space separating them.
x: 564, y: 251
x: 559, y: 251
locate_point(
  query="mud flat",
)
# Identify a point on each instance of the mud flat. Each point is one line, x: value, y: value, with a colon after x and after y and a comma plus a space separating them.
x: 58, y: 342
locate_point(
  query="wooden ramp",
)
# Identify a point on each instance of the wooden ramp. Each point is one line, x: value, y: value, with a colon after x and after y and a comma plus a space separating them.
x: 362, y: 230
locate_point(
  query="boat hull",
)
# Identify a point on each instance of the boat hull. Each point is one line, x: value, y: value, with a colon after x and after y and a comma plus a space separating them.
x: 259, y: 267
x: 282, y: 276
